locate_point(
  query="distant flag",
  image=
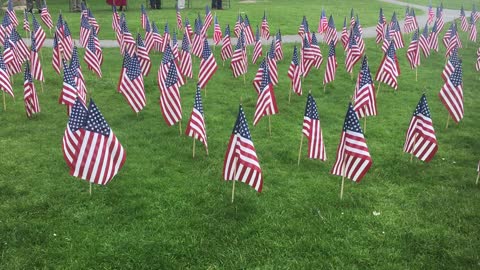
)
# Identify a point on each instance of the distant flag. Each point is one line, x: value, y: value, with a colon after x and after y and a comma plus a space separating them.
x: 45, y: 16
x: 433, y: 38
x: 71, y: 136
x: 295, y: 73
x: 175, y: 47
x: 272, y: 64
x: 353, y: 53
x: 396, y: 33
x: 332, y: 64
x: 364, y: 97
x: 345, y: 37
x: 316, y: 52
x: 26, y: 23
x: 170, y: 102
x: 475, y: 14
x: 9, y: 56
x: 431, y: 14
x: 477, y: 63
x: 83, y: 10
x: 331, y: 32
x: 37, y: 71
x: 423, y: 41
x: 380, y: 28
x: 408, y: 21
x: 91, y: 57
x: 439, y: 20
x: 131, y: 83
x: 98, y: 49
x: 85, y: 30
x: 266, y: 102
x: 188, y: 29
x: 463, y: 20
x: 166, y: 38
x: 6, y: 27
x: 30, y: 97
x: 420, y: 140
x: 257, y: 49
x: 179, y: 19
x: 93, y: 21
x: 357, y: 33
x: 304, y: 29
x: 453, y: 42
x: 265, y: 29
x: 143, y: 58
x: 78, y: 76
x: 413, y: 51
x: 241, y: 161
x: 239, y: 58
x: 197, y: 42
x: 56, y: 57
x: 208, y: 66
x: 226, y: 51
x: 353, y: 158
x: 352, y: 18
x: 208, y: 19
x: 313, y: 130
x: 389, y: 70
x: 100, y: 161
x: 11, y: 13
x: 278, y: 46
x: 257, y: 80
x: 196, y: 124
x: 157, y: 39
x: 115, y: 19
x: 414, y: 24
x: 217, y: 32
x: 128, y: 43
x: 143, y: 17
x: 5, y: 83
x: 249, y: 38
x: 238, y: 26
x: 473, y: 30
x: 67, y: 41
x: 69, y: 90
x: 21, y: 48
x: 451, y: 94
x: 148, y: 37
x: 186, y: 58
x: 323, y: 23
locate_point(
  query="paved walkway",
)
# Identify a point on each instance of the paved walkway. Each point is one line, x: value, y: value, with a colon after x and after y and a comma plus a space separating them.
x: 368, y: 32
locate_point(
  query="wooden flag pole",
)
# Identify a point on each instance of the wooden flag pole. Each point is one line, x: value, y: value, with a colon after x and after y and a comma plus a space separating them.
x: 300, y: 149
x: 234, y: 174
x: 324, y: 88
x: 41, y: 84
x: 205, y: 91
x: 416, y: 74
x: 351, y: 75
x: 90, y: 190
x: 290, y: 93
x: 478, y: 176
x: 270, y: 125
x: 448, y: 119
x: 343, y: 179
x: 244, y: 79
x: 378, y: 89
x: 193, y: 148
x: 365, y: 125
x: 413, y: 150
x: 180, y: 127
x: 4, y: 103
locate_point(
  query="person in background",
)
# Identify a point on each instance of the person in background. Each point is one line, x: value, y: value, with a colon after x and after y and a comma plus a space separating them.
x: 119, y: 3
x: 156, y: 4
x: 30, y: 5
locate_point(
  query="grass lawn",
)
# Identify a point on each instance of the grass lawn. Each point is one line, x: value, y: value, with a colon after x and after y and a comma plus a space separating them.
x: 287, y: 23
x: 166, y: 210
x: 450, y: 4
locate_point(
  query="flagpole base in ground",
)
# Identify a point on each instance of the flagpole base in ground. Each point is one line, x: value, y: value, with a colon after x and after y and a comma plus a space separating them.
x: 478, y: 176
x: 365, y: 125
x: 270, y: 125
x: 448, y: 120
x: 378, y: 89
x: 341, y: 188
x: 4, y: 103
x: 300, y: 150
x: 193, y: 148
x: 90, y: 189
x: 233, y: 190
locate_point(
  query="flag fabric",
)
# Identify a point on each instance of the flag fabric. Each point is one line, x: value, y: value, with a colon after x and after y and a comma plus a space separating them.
x: 157, y: 39
x: 93, y: 21
x: 265, y: 28
x: 389, y: 70
x: 30, y: 97
x: 331, y: 32
x: 128, y: 43
x: 37, y: 72
x: 115, y: 19
x: 67, y: 41
x: 323, y: 23
x: 169, y: 82
x: 332, y: 64
x: 386, y: 39
x: 477, y: 64
x: 475, y: 14
x: 143, y: 17
x: 238, y: 63
x: 295, y: 73
x: 357, y: 33
x: 266, y: 102
x: 257, y: 49
x: 208, y: 66
x: 143, y: 58
x: 91, y: 57
x: 46, y: 17
x: 11, y: 13
x: 249, y: 37
x: 433, y: 38
x: 71, y: 136
x: 345, y: 36
x: 176, y: 56
x: 396, y: 33
x: 313, y: 130
x: 473, y: 30
x: 413, y: 51
x: 420, y: 140
x: 196, y: 124
x: 179, y: 19
x: 5, y: 28
x: 226, y: 51
x: 208, y: 19
x: 56, y: 57
x: 439, y: 20
x: 5, y: 83
x: 39, y: 33
x: 450, y: 65
x: 272, y: 64
x: 238, y: 26
x: 257, y: 80
x: 131, y: 83
x: 431, y: 14
x: 69, y: 90
x: 316, y: 52
x: 197, y: 42
x: 217, y: 32
x: 278, y: 47
x: 188, y: 29
x: 364, y: 97
x: 148, y: 38
x: 83, y: 10
x: 166, y: 38
x: 463, y: 20
x: 241, y: 161
x: 9, y: 57
x: 186, y: 58
x: 359, y: 26
x: 380, y: 28
x: 99, y: 153
x: 85, y: 30
x: 423, y: 42
x: 453, y: 42
x: 353, y: 158
x: 26, y: 23
x: 78, y: 76
x: 353, y: 53
x: 451, y: 94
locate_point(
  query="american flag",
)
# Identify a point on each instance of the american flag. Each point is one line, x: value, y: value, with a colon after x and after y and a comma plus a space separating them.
x: 115, y: 19
x: 358, y: 37
x: 473, y: 30
x: 278, y: 46
x: 238, y: 25
x: 26, y: 23
x: 257, y: 80
x: 352, y: 18
x: 143, y: 58
x: 93, y: 21
x: 448, y: 35
x: 85, y: 30
x: 226, y: 51
x: 433, y: 38
x: 10, y: 58
x: 396, y: 33
x: 359, y: 26
x: 56, y: 56
x: 20, y: 46
x: 157, y: 39
x: 414, y: 23
x: 431, y: 14
x: 148, y: 37
x: 295, y: 73
x: 451, y: 94
x: 186, y: 58
x: 454, y: 41
x: 313, y: 131
x: 197, y: 43
x: 265, y: 28
x: 166, y: 38
x: 45, y: 16
x: 439, y: 20
x: 11, y: 13
x: 69, y: 90
x: 344, y: 36
x: 317, y: 53
x: 91, y: 57
x: 450, y: 65
x: 475, y: 14
x: 413, y: 51
x: 188, y: 29
x: 408, y: 21
x: 257, y: 49
x: 67, y: 41
x: 29, y: 94
x: 208, y: 20
x: 477, y: 64
x: 353, y: 159
x: 179, y: 19
x: 128, y: 43
x: 380, y: 27
x: 78, y: 76
x: 5, y: 83
x: 241, y: 161
x: 98, y: 49
x: 420, y: 140
x: 71, y: 136
x: 353, y: 53
x: 463, y: 20
x: 5, y: 28
x: 196, y: 124
x: 131, y: 83
x: 304, y: 29
x: 208, y: 66
x: 365, y: 102
x: 99, y: 154
x: 423, y: 41
x: 217, y: 32
x: 266, y: 102
x: 389, y: 70
x: 239, y: 58
x: 170, y: 102
x: 37, y: 71
x: 331, y: 67
x: 83, y: 10
x: 249, y: 38
x: 59, y: 27
x: 143, y: 17
x: 331, y: 32
x: 175, y: 47
x: 323, y: 23
x: 272, y: 65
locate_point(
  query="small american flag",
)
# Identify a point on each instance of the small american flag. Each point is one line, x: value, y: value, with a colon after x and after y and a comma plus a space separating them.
x: 477, y: 64
x: 257, y: 80
x: 21, y: 48
x: 67, y: 41
x: 257, y: 49
x: 71, y: 136
x: 208, y: 66
x: 420, y: 140
x: 308, y: 57
x: 188, y: 29
x: 69, y: 90
x: 179, y: 19
x: 239, y: 58
x: 45, y: 16
x: 475, y: 14
x: 423, y: 41
x: 266, y: 102
x: 99, y: 154
x: 78, y: 76
x: 197, y: 43
x: 265, y: 28
x: 196, y: 124
x: 473, y: 30
x: 431, y: 14
x: 451, y: 94
x: 148, y: 37
x: 226, y: 51
x: 5, y: 28
x: 294, y: 73
x: 352, y: 18
x: 143, y: 58
x: 170, y: 102
x: 323, y: 23
x: 433, y: 38
x: 166, y: 38
x: 85, y: 30
x: 453, y: 42
x: 450, y: 65
x: 439, y: 19
x: 313, y: 131
x: 249, y: 38
x: 278, y: 46
x: 56, y: 56
x: 29, y: 94
x: 128, y: 43
x: 331, y: 32
x: 353, y: 53
x: 358, y: 37
x: 93, y: 21
x: 5, y: 83
x: 131, y: 83
x: 413, y: 51
x: 365, y: 102
x: 344, y: 36
x: 272, y: 64
x: 143, y: 17
x: 37, y: 71
x: 115, y: 20
x: 26, y: 23
x: 353, y: 158
x: 317, y: 53
x: 238, y: 25
x: 91, y: 57
x: 331, y: 68
x: 389, y: 70
x: 463, y: 20
x: 175, y: 46
x: 208, y: 19
x: 301, y: 28
x: 83, y: 10
x: 11, y: 13
x: 186, y: 58
x: 241, y: 161
x: 156, y: 38
x: 396, y: 33
x: 380, y: 28
x: 9, y: 57
x: 217, y: 32
x: 98, y: 49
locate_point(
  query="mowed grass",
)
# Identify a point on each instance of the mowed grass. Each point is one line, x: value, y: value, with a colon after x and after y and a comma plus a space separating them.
x: 278, y: 17
x: 167, y: 210
x: 450, y: 4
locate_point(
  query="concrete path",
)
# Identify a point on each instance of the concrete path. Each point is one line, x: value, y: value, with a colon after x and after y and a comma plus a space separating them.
x: 368, y: 32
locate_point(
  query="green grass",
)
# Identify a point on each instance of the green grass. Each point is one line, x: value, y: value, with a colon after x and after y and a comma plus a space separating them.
x: 277, y: 18
x: 450, y: 4
x: 166, y: 210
